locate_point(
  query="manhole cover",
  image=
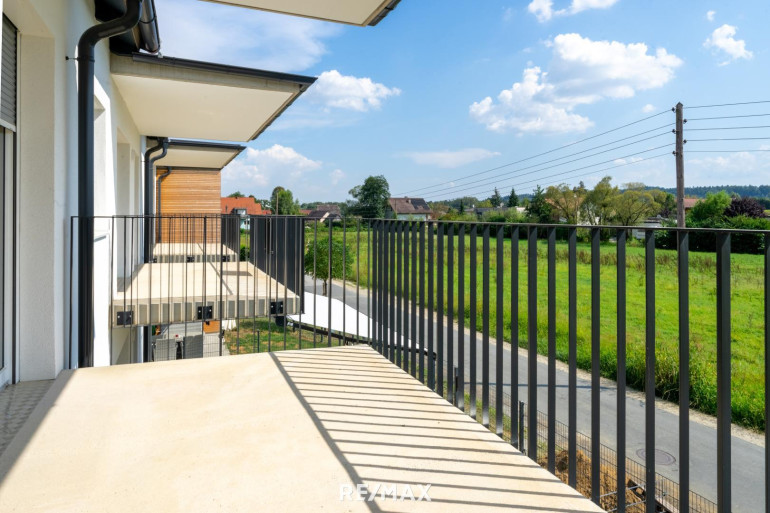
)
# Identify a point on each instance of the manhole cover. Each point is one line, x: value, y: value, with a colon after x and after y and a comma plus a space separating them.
x: 661, y: 457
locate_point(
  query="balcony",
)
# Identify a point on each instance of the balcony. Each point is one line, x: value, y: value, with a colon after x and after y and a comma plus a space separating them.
x: 448, y: 354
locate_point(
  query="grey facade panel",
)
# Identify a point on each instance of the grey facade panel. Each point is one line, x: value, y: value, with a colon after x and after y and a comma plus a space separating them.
x: 8, y: 73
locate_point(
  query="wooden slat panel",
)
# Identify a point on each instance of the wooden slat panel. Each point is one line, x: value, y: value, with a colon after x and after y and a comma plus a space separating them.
x: 189, y: 192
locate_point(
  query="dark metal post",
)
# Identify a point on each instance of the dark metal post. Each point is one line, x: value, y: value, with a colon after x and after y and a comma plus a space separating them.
x: 431, y: 305
x: 724, y: 405
x: 515, y: 336
x: 460, y: 385
x: 595, y: 365
x: 473, y: 381
x: 551, y: 442
x: 649, y: 374
x: 499, y: 382
x: 485, y: 327
x: 532, y: 342
x: 684, y: 370
x: 621, y: 370
x: 440, y: 322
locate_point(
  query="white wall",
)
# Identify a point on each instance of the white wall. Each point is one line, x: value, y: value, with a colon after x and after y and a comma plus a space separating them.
x: 47, y: 134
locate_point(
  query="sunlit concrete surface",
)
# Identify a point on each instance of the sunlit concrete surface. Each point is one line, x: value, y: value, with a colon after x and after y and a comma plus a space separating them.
x: 286, y: 431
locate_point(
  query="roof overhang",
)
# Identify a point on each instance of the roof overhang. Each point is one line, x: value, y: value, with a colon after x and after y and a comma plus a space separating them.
x: 173, y: 97
x: 353, y: 12
x: 202, y: 155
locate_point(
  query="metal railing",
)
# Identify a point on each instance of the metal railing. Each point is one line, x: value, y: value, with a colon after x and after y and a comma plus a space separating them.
x: 450, y: 303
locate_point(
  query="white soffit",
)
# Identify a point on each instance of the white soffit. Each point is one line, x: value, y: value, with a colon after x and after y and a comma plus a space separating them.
x: 198, y: 155
x: 354, y: 12
x: 170, y: 97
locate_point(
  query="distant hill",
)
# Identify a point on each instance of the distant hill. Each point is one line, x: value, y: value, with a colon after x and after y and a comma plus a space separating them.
x: 754, y: 191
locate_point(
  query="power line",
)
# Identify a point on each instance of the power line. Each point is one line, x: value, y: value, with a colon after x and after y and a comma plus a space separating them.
x: 730, y: 117
x: 726, y: 104
x: 727, y: 151
x: 541, y: 154
x: 588, y: 173
x: 576, y: 169
x: 731, y: 139
x: 727, y: 128
x: 496, y: 177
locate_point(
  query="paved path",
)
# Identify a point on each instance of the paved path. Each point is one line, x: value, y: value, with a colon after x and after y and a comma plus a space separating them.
x: 747, y: 453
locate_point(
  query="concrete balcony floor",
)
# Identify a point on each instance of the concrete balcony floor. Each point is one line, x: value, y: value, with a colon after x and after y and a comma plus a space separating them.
x: 267, y: 432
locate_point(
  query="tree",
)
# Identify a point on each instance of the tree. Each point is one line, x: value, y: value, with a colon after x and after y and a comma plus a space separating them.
x: 565, y: 201
x: 667, y: 202
x: 748, y: 207
x: 462, y: 207
x: 634, y: 205
x: 317, y: 261
x: 538, y: 209
x: 283, y: 203
x: 513, y: 200
x: 597, y: 207
x: 371, y: 197
x: 496, y: 199
x: 236, y: 194
x: 712, y: 209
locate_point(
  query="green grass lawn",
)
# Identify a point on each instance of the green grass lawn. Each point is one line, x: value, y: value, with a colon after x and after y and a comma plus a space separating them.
x: 747, y: 316
x: 261, y: 336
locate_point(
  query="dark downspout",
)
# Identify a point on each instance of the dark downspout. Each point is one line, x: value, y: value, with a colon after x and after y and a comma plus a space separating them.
x: 143, y: 354
x: 85, y: 58
x: 160, y: 184
x: 149, y: 186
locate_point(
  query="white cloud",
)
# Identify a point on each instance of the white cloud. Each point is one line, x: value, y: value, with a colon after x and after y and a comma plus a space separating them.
x: 723, y: 39
x: 336, y: 176
x: 529, y: 106
x: 648, y: 108
x: 581, y: 72
x: 262, y: 168
x: 543, y: 9
x: 508, y: 14
x: 742, y: 167
x: 450, y: 159
x: 221, y: 33
x: 710, y: 15
x: 332, y: 89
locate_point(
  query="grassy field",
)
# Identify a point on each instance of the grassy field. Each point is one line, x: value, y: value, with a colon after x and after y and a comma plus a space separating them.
x: 262, y: 336
x: 747, y: 317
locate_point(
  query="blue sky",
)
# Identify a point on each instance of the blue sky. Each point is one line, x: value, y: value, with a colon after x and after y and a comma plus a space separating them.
x: 443, y: 89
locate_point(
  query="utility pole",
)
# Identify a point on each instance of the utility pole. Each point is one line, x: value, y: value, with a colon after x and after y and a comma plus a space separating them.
x: 679, y: 155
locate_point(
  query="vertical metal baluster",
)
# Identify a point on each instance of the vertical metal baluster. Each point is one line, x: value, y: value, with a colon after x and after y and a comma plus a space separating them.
x: 621, y: 370
x: 485, y: 326
x: 285, y: 277
x: 373, y: 305
x: 358, y: 281
x: 383, y: 285
x: 460, y: 385
x: 415, y: 335
x: 450, y: 350
x: 440, y: 322
x: 473, y: 341
x: 421, y: 228
x: 406, y: 346
x: 767, y: 373
x: 572, y: 356
x: 515, y: 337
x: 595, y: 364
x: 392, y: 290
x: 431, y: 305
x: 344, y: 280
x: 724, y: 405
x: 399, y: 275
x: 683, y: 254
x: 369, y: 288
x: 315, y: 281
x: 499, y: 384
x: 329, y: 286
x: 551, y: 443
x: 532, y: 342
x: 649, y: 373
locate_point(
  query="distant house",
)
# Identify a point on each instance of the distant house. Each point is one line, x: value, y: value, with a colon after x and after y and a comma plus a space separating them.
x: 324, y: 212
x: 689, y: 203
x: 242, y: 207
x: 408, y: 208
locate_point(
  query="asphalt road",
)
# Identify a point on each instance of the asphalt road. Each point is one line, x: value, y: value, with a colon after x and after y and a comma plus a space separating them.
x: 748, y: 457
